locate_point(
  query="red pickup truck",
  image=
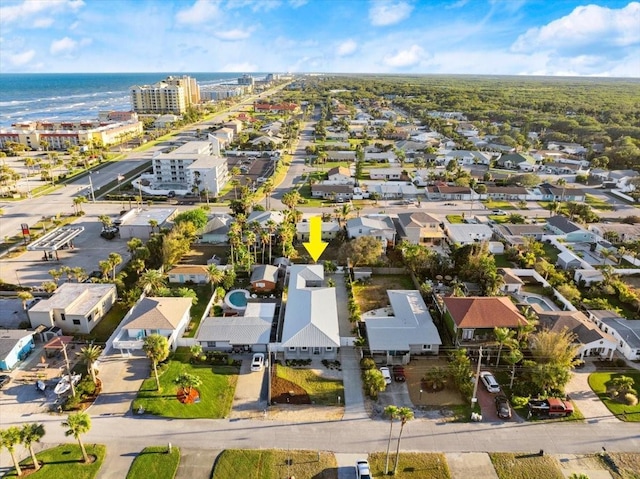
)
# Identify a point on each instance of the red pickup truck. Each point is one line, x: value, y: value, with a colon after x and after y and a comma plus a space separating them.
x: 550, y: 407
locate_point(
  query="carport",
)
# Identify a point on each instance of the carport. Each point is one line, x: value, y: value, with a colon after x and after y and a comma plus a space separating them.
x: 59, y: 238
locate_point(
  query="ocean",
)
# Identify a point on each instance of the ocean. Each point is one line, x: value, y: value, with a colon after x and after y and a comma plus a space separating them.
x: 79, y: 96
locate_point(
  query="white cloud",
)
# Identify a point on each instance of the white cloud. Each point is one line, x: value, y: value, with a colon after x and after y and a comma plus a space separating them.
x: 585, y: 25
x: 458, y: 4
x: 405, y: 58
x: 297, y: 3
x: 19, y: 59
x: 239, y: 67
x: 28, y: 8
x: 63, y: 45
x: 384, y: 12
x: 202, y: 11
x: 346, y: 48
x: 42, y: 22
x: 233, y: 35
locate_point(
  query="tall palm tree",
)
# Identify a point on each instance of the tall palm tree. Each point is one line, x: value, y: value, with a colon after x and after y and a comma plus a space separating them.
x: 156, y: 348
x: 24, y: 296
x: 78, y: 424
x: 503, y: 336
x: 405, y: 414
x: 215, y: 276
x: 392, y: 413
x: 152, y: 280
x: 90, y: 355
x: 114, y: 260
x: 55, y: 274
x: 268, y: 188
x: 31, y: 433
x: 8, y: 439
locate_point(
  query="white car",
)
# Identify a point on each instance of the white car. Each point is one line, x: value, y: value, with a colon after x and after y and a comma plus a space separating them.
x: 489, y: 382
x: 386, y: 374
x: 362, y: 470
x: 257, y: 363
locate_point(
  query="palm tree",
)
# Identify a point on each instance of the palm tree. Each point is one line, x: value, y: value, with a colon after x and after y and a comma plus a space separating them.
x: 156, y: 348
x: 268, y: 188
x: 392, y: 413
x: 152, y: 280
x: 562, y: 182
x: 188, y: 381
x: 114, y: 260
x: 8, y: 439
x: 503, y: 336
x: 24, y: 296
x: 512, y: 358
x: 405, y: 414
x: 31, y: 433
x: 153, y: 224
x: 77, y: 204
x: 55, y: 274
x: 105, y: 267
x: 90, y: 355
x: 215, y: 275
x: 79, y: 273
x: 77, y: 424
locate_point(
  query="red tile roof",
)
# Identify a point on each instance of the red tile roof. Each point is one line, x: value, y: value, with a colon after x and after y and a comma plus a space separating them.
x: 484, y: 313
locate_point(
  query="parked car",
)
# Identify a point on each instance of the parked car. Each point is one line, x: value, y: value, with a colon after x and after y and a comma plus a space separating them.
x: 398, y: 374
x: 4, y: 379
x: 550, y: 407
x: 498, y: 213
x: 362, y: 470
x: 449, y: 204
x: 257, y: 363
x: 489, y: 382
x: 503, y: 408
x: 386, y: 374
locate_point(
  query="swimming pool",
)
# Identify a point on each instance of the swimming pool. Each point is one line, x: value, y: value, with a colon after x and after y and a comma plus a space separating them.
x: 539, y: 301
x: 237, y: 299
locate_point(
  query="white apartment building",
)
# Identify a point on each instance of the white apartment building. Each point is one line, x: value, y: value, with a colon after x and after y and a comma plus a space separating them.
x: 193, y: 164
x: 172, y: 95
x: 61, y: 135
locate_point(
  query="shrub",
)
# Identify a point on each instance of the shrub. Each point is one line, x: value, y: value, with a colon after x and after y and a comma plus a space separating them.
x: 367, y: 363
x: 630, y: 399
x: 619, y: 363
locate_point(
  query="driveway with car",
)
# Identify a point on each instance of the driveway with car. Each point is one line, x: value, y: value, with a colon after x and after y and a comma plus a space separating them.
x: 250, y: 398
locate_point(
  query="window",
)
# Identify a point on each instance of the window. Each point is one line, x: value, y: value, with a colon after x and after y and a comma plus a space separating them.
x: 76, y: 321
x: 260, y: 285
x: 426, y: 347
x: 329, y: 348
x: 304, y: 348
x: 63, y: 316
x: 467, y: 334
x: 292, y: 348
x: 316, y: 350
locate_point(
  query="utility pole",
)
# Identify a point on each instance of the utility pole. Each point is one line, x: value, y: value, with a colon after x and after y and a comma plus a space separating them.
x: 474, y: 398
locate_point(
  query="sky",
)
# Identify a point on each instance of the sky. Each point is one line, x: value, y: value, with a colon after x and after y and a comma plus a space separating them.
x: 505, y: 37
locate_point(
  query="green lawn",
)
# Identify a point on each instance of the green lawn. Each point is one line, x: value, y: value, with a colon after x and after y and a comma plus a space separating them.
x: 499, y: 205
x: 109, y: 323
x: 274, y: 464
x: 598, y: 382
x: 321, y: 390
x: 418, y: 465
x: 197, y: 310
x: 65, y: 462
x: 216, y: 392
x: 598, y: 203
x: 455, y: 219
x: 525, y: 466
x: 502, y: 261
x: 155, y: 462
x: 550, y: 252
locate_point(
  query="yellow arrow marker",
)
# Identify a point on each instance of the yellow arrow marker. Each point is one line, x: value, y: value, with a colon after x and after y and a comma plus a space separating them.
x: 315, y: 246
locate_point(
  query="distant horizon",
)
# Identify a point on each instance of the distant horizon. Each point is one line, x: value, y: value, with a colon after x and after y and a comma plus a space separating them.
x: 537, y: 38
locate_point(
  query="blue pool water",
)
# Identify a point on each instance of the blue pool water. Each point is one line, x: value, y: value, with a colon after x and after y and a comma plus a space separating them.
x: 238, y: 298
x: 541, y: 302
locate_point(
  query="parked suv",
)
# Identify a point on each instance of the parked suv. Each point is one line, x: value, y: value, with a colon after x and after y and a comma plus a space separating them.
x: 362, y: 470
x: 257, y: 363
x: 386, y: 374
x: 489, y: 382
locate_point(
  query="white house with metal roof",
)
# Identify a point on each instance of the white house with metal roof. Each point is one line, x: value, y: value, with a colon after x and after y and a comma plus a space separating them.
x: 311, y: 316
x: 404, y: 328
x: 625, y: 331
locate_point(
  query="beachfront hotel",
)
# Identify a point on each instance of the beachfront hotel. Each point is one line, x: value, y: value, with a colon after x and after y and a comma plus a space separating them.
x: 172, y: 95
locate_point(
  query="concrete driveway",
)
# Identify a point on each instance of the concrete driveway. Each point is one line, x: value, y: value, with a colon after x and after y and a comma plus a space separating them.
x: 250, y: 399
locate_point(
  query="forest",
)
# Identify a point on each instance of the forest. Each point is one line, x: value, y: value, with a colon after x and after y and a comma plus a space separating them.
x: 602, y: 114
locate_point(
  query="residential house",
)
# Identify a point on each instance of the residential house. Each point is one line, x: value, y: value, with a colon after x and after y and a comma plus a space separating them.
x: 250, y: 332
x: 15, y: 345
x: 626, y: 332
x: 339, y: 155
x: 509, y: 193
x: 392, y: 173
x: 310, y: 327
x: 329, y: 229
x: 616, y: 232
x: 554, y: 193
x: 333, y: 192
x: 473, y: 319
x: 445, y: 192
x: 568, y: 230
x: 264, y: 217
x: 623, y: 180
x: 224, y: 135
x: 74, y: 307
x: 264, y: 278
x: 140, y: 223
x: 515, y: 234
x: 403, y: 329
x: 216, y: 231
x: 468, y: 157
x: 511, y: 282
x: 391, y: 190
x: 463, y: 234
x: 591, y: 340
x: 380, y: 157
x: 568, y: 260
x: 380, y: 227
x: 340, y: 174
x: 556, y: 168
x: 420, y: 228
x: 166, y: 316
x: 518, y: 161
x: 266, y: 141
x: 235, y: 125
x: 189, y: 273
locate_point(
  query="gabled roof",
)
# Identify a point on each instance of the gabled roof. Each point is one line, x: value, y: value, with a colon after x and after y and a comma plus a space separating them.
x: 264, y: 272
x: 188, y: 269
x: 158, y: 313
x: 484, y: 313
x: 509, y: 278
x: 576, y: 322
x: 627, y: 329
x: 411, y: 324
x: 567, y: 256
x: 379, y: 223
x: 263, y: 216
x: 563, y: 224
x: 339, y: 170
x: 517, y: 158
x: 416, y: 220
x: 311, y: 315
x: 252, y: 328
